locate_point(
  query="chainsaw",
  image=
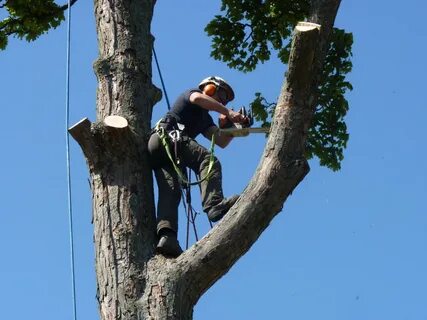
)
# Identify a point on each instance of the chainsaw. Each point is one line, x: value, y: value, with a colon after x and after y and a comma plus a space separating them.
x: 225, y: 123
x: 243, y: 129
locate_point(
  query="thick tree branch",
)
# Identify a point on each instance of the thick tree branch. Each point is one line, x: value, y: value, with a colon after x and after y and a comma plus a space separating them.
x: 281, y: 169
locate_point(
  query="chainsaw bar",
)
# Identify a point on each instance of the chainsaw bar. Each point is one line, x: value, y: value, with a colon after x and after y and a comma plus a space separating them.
x: 242, y: 132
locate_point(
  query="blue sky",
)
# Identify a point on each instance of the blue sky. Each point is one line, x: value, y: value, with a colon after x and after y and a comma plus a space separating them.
x: 348, y: 245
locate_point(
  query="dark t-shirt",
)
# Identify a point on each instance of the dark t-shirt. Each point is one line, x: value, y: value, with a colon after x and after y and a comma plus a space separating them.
x: 195, y: 118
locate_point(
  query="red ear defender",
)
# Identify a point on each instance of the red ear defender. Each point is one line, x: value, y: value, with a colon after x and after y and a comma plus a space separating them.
x: 209, y: 89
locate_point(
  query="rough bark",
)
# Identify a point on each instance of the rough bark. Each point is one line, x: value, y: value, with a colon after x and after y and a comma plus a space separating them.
x: 121, y: 180
x: 133, y: 282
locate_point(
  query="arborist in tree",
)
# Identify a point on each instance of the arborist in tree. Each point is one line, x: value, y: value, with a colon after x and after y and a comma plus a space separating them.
x: 172, y: 148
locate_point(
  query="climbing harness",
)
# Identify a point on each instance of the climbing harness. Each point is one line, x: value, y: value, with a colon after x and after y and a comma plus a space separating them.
x: 176, y: 138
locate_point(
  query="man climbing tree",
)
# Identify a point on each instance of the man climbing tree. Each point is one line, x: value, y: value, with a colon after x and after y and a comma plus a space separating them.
x: 176, y: 131
x: 133, y: 282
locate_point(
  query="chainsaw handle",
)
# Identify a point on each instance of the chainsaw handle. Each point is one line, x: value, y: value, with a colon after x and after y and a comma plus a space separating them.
x: 245, y: 119
x: 224, y: 122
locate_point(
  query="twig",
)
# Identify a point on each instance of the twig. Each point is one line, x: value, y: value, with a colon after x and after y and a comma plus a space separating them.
x: 65, y: 6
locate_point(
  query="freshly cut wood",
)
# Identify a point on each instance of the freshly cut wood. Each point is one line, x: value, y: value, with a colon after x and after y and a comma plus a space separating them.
x: 116, y: 122
x: 306, y: 26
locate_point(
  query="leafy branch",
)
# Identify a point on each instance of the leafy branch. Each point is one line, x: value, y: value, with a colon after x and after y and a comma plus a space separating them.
x: 263, y: 111
x: 246, y: 35
x: 28, y: 19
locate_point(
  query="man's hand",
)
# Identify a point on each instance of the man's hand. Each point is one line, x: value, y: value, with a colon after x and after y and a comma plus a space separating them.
x: 235, y: 117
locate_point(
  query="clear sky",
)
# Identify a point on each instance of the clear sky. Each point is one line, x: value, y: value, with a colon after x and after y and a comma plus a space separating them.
x: 348, y: 245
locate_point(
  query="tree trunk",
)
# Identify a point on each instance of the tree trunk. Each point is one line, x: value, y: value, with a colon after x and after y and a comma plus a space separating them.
x: 121, y: 180
x: 133, y: 282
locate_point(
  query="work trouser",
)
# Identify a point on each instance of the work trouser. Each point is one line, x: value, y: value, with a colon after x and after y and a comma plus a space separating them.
x: 193, y: 156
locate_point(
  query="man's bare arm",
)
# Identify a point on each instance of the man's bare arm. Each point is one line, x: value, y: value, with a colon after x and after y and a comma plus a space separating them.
x: 221, y: 140
x: 209, y: 103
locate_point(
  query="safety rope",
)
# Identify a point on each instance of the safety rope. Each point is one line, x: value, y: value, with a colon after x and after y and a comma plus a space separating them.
x: 67, y: 143
x: 189, y: 210
x: 161, y: 79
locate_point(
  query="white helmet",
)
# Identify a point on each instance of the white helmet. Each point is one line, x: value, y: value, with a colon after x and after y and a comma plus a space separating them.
x: 219, y: 82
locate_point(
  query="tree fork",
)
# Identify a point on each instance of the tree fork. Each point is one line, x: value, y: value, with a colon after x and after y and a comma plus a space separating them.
x: 133, y: 283
x: 169, y: 288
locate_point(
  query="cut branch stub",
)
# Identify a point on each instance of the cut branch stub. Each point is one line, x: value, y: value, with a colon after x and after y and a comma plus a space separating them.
x: 82, y: 133
x: 115, y: 136
x: 110, y: 135
x: 117, y: 122
x: 80, y: 130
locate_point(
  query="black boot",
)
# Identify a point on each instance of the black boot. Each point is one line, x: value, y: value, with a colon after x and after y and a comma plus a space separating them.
x: 216, y: 212
x: 168, y: 244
